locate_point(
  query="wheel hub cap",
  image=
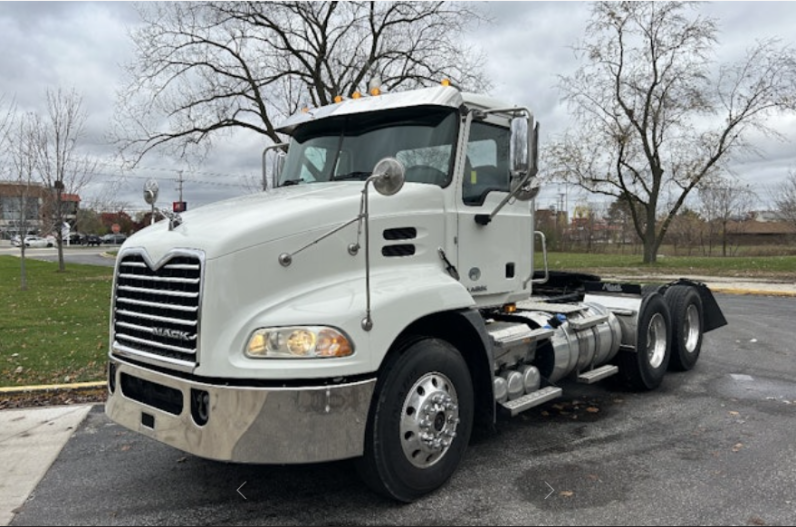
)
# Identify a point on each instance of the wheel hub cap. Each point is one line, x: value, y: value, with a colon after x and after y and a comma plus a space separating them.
x: 692, y: 328
x: 656, y: 340
x: 429, y: 419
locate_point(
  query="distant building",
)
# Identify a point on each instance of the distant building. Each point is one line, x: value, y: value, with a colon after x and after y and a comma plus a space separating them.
x: 765, y: 215
x: 39, y: 203
x: 761, y: 232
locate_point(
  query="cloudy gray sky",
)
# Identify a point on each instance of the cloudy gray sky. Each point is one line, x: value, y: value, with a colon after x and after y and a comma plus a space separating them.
x: 84, y: 45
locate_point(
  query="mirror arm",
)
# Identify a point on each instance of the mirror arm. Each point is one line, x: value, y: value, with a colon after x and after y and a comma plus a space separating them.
x: 485, y: 219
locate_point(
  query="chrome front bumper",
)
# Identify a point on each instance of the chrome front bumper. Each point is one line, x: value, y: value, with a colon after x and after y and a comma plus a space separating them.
x: 244, y: 424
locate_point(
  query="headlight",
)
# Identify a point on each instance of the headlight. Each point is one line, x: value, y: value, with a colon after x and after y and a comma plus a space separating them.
x: 298, y: 342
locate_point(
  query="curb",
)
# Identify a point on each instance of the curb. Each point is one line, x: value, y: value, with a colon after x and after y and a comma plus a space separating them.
x: 13, y: 390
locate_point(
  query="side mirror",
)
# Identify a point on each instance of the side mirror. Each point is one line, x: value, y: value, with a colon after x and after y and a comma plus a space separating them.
x: 151, y: 191
x: 519, y: 155
x: 388, y: 176
x: 276, y: 165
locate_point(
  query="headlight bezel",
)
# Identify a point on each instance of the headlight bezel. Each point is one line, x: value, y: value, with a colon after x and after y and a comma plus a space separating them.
x: 298, y: 342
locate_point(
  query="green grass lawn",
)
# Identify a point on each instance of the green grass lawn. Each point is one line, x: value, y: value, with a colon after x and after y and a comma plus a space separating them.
x: 57, y: 330
x: 735, y: 266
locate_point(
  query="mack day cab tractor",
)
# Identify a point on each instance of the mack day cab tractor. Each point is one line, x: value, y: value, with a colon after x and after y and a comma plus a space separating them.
x: 376, y: 302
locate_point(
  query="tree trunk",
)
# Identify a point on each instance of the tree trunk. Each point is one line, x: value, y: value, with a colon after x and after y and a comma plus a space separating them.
x: 23, y: 277
x: 59, y: 237
x: 724, y: 239
x: 650, y: 240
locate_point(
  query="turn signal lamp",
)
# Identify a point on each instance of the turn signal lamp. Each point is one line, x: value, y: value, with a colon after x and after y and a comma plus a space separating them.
x: 375, y: 91
x: 510, y: 308
x: 305, y: 110
x: 338, y: 98
x: 356, y: 95
x: 446, y: 82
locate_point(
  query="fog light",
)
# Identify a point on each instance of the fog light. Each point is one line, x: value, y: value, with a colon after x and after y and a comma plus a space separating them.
x: 200, y: 406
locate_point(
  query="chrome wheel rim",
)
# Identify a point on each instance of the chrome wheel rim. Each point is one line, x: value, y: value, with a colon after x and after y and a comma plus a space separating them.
x: 429, y: 419
x: 692, y: 328
x: 656, y: 340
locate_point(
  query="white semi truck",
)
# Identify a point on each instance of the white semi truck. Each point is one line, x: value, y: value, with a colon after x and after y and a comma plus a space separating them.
x: 377, y: 302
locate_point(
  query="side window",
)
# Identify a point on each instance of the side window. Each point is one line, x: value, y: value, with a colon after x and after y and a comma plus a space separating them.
x: 487, y: 163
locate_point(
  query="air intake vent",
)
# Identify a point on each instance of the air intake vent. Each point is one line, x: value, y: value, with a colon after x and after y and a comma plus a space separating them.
x: 156, y: 311
x: 398, y: 250
x: 401, y: 233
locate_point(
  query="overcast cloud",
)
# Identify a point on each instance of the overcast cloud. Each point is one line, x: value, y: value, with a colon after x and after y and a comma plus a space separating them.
x: 84, y: 45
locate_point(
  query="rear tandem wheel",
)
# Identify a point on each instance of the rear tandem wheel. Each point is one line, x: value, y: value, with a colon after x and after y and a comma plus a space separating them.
x: 643, y: 368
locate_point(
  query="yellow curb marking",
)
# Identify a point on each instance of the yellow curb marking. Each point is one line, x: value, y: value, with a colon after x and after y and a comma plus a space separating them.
x: 74, y: 386
x: 749, y: 292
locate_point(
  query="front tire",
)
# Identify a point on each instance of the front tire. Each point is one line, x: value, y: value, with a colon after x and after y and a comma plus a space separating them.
x: 643, y: 368
x: 688, y: 321
x: 420, y: 421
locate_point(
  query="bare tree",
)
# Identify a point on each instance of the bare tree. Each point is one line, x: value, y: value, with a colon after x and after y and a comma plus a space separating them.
x: 655, y: 118
x: 204, y: 68
x: 62, y: 169
x: 725, y: 203
x: 785, y: 199
x: 23, y: 152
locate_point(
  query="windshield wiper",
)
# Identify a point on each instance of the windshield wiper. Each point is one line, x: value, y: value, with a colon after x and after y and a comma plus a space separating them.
x: 288, y: 182
x: 362, y: 176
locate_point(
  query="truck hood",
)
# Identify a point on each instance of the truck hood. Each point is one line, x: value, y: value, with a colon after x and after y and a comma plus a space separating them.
x: 228, y: 226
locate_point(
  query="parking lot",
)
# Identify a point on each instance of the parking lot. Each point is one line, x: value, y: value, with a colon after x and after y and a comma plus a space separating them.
x: 713, y: 446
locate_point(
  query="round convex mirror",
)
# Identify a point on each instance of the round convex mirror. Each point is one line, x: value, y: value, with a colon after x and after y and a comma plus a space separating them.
x: 390, y: 176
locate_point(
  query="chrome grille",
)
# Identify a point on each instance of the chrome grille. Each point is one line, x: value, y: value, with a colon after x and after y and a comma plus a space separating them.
x: 156, y: 311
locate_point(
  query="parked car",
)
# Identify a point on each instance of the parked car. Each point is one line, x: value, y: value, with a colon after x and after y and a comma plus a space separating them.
x: 75, y: 238
x: 38, y: 242
x: 92, y: 239
x: 114, y: 239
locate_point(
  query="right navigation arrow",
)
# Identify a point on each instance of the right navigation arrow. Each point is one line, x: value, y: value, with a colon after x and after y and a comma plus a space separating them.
x: 552, y: 490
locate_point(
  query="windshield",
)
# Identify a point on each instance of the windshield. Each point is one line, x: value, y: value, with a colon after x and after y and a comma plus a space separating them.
x: 347, y: 148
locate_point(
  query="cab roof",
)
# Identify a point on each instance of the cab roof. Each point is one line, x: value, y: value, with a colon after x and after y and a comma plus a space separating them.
x: 445, y: 96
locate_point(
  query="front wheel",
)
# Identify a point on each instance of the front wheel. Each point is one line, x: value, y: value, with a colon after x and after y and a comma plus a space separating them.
x: 420, y: 421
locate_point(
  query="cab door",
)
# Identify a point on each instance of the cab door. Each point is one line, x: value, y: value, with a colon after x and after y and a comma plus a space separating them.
x: 494, y: 260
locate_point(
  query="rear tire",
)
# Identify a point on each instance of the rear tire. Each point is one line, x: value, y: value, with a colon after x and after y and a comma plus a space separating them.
x: 688, y: 321
x: 420, y: 421
x: 643, y: 369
